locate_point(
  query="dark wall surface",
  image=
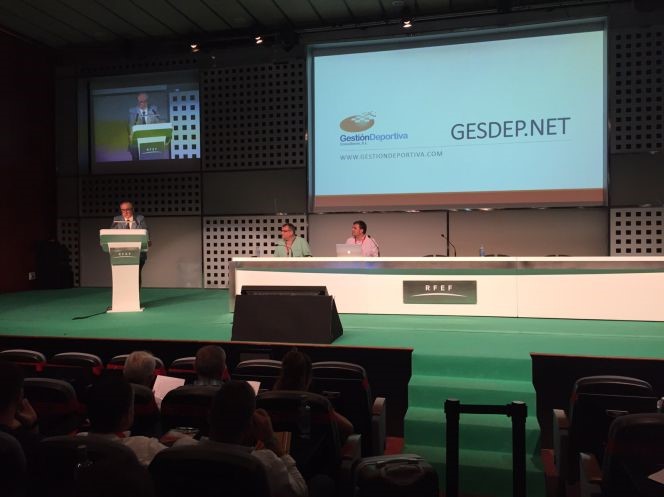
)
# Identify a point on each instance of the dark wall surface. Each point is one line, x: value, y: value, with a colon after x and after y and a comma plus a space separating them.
x: 28, y: 184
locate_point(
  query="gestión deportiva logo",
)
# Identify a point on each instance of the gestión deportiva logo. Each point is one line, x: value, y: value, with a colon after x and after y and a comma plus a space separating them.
x: 358, y: 123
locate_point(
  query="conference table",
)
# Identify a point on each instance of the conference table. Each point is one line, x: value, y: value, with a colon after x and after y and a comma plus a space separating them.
x: 613, y: 288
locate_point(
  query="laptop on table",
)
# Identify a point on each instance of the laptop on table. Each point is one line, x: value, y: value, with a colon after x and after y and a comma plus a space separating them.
x: 349, y: 250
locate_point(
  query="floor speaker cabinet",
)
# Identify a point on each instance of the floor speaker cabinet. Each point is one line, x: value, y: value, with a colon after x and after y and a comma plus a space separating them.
x: 286, y: 314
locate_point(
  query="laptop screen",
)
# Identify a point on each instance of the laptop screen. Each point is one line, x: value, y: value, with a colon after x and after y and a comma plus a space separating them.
x: 349, y: 250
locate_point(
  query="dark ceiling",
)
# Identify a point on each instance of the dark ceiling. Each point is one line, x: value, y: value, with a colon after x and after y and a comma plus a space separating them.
x: 94, y: 23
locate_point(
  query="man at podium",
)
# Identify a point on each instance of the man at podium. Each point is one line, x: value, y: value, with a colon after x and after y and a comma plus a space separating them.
x: 143, y: 113
x: 129, y: 220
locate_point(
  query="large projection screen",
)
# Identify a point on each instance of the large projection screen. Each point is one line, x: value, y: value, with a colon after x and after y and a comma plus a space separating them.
x: 508, y: 118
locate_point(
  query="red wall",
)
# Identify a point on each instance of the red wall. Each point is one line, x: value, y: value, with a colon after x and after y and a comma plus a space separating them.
x: 27, y: 181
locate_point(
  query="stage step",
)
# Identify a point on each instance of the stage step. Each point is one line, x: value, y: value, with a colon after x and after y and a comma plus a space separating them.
x: 432, y: 391
x: 497, y: 368
x: 485, y: 440
x: 477, y: 432
x: 483, y: 472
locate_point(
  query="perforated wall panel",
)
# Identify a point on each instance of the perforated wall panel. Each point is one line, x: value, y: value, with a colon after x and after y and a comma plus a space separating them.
x: 637, y: 65
x: 153, y: 195
x: 637, y: 231
x: 69, y: 235
x: 185, y: 112
x: 254, y: 117
x: 241, y: 236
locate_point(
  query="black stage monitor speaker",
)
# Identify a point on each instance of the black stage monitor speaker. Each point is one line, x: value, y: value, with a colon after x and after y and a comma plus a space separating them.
x: 290, y: 314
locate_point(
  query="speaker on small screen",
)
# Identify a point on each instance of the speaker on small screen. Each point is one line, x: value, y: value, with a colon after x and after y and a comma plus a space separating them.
x: 287, y: 314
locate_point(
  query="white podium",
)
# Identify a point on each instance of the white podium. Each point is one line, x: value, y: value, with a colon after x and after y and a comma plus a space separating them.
x: 124, y: 248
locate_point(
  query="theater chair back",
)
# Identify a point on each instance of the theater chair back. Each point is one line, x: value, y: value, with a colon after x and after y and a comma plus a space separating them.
x: 31, y: 362
x: 208, y: 470
x: 188, y: 405
x: 315, y: 443
x: 56, y: 405
x: 635, y: 450
x: 264, y: 370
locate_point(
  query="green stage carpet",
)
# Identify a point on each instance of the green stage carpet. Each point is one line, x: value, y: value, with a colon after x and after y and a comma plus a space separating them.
x: 477, y: 360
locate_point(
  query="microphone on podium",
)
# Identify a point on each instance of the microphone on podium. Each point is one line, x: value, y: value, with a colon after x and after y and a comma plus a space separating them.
x: 449, y: 242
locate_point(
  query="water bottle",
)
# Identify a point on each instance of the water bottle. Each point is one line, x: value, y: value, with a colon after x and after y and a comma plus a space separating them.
x: 482, y: 251
x: 304, y: 423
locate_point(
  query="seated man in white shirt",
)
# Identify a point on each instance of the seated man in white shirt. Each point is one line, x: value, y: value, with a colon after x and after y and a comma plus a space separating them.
x: 360, y: 237
x: 234, y: 420
x: 111, y: 413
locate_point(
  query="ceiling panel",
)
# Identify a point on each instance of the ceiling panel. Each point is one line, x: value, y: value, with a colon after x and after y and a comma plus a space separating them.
x: 37, y: 17
x: 169, y: 16
x: 140, y: 17
x: 331, y: 12
x: 30, y: 30
x: 232, y: 13
x: 105, y: 16
x: 69, y: 16
x: 366, y: 9
x: 199, y: 12
x: 266, y: 13
x: 299, y: 12
x: 67, y: 23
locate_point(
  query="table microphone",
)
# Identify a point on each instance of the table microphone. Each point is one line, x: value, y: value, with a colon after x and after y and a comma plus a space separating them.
x: 448, y: 241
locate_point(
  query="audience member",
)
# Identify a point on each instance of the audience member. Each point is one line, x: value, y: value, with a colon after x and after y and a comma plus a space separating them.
x: 210, y: 365
x: 139, y: 368
x: 296, y: 375
x: 17, y: 417
x: 234, y: 420
x: 111, y: 414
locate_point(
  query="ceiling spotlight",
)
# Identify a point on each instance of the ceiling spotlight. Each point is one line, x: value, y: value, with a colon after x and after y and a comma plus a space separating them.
x: 195, y: 47
x: 258, y: 39
x: 406, y: 24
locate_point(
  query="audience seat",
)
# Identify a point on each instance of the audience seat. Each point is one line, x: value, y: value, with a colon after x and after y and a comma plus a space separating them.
x: 346, y: 386
x: 78, y: 368
x: 146, y: 413
x: 116, y: 365
x: 13, y: 468
x: 31, y: 362
x: 635, y: 450
x: 183, y: 367
x: 56, y: 405
x: 315, y: 443
x: 208, y: 470
x: 89, y: 466
x: 595, y: 402
x: 188, y: 405
x: 264, y: 370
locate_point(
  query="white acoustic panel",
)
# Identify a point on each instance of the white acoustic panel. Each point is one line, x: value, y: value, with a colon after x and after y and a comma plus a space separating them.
x: 637, y: 231
x: 241, y: 236
x: 185, y: 116
x: 637, y: 71
x: 68, y: 235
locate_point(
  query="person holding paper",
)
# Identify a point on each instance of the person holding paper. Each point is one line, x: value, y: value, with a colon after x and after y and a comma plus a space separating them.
x: 360, y: 237
x: 143, y: 113
x: 128, y: 219
x: 290, y: 244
